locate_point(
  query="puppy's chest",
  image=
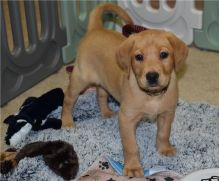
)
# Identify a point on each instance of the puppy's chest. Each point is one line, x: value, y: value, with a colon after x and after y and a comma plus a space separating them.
x: 150, y: 109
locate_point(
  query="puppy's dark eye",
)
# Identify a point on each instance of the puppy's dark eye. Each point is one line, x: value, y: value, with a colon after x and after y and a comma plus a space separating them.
x: 139, y: 57
x: 164, y: 55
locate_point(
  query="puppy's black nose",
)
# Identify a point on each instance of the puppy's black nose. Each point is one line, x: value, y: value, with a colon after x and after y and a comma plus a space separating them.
x: 152, y: 78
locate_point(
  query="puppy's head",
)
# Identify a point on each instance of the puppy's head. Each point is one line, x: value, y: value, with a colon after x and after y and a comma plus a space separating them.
x: 152, y: 55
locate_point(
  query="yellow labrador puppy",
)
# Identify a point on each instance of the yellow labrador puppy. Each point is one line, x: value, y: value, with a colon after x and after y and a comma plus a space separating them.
x: 138, y: 71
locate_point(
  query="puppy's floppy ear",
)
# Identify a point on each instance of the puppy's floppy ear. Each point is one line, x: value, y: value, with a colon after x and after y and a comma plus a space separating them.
x: 180, y: 50
x: 123, y: 54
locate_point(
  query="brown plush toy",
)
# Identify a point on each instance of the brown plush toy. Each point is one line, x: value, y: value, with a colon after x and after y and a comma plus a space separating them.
x: 58, y: 155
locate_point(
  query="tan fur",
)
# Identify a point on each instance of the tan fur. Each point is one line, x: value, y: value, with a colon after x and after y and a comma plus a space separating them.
x: 106, y: 59
x: 8, y: 156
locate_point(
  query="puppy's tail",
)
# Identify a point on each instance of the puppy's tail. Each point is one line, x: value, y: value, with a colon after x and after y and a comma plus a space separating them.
x: 95, y: 21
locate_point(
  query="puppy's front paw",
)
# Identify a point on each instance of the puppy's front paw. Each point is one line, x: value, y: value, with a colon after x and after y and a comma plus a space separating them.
x: 167, y: 151
x: 133, y: 170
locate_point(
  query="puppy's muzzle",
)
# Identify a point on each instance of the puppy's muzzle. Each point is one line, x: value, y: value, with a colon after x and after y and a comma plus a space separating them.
x: 152, y: 78
x: 154, y: 87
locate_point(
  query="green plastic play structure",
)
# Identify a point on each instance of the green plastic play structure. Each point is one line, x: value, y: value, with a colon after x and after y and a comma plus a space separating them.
x: 75, y: 18
x: 208, y: 36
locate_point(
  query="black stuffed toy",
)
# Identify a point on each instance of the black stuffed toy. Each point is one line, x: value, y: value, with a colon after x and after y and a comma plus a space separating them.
x: 33, y: 116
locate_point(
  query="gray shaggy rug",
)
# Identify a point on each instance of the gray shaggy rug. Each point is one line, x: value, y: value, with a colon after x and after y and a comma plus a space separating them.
x: 195, y: 134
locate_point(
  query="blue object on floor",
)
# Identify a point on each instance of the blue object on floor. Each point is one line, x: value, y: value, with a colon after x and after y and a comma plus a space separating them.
x: 118, y: 167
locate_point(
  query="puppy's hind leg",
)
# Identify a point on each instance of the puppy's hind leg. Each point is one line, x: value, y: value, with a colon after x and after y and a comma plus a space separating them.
x: 76, y: 85
x: 102, y: 96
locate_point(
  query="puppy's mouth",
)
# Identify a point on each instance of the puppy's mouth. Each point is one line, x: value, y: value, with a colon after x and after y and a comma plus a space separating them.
x: 156, y: 91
